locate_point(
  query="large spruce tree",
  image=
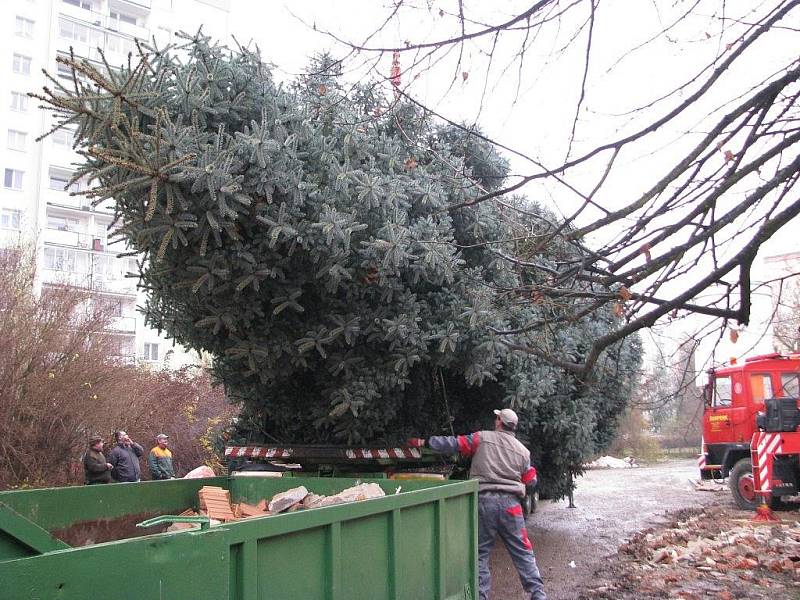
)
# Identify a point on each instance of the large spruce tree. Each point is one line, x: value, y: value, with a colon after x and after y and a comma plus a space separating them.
x: 300, y: 234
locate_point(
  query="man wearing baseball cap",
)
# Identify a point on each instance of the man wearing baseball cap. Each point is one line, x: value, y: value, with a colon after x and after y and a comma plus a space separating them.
x: 160, y: 459
x: 502, y: 466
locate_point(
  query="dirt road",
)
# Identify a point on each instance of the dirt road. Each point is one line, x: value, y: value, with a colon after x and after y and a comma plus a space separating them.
x: 611, y: 505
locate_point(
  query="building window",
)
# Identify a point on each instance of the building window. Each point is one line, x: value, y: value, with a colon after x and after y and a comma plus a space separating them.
x: 121, y: 17
x: 19, y: 102
x: 22, y: 64
x: 10, y: 219
x: 13, y: 179
x: 101, y: 232
x: 73, y: 31
x: 150, y: 351
x: 17, y: 139
x: 84, y: 4
x: 63, y: 137
x: 62, y: 223
x: 106, y: 268
x: 111, y: 307
x: 59, y: 178
x: 65, y: 72
x: 24, y: 27
x: 60, y: 259
x: 120, y: 45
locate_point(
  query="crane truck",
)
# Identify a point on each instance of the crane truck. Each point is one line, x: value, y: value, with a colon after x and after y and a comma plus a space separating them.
x: 751, y: 423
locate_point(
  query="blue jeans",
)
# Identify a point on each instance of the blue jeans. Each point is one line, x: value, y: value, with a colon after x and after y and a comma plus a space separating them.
x: 501, y: 514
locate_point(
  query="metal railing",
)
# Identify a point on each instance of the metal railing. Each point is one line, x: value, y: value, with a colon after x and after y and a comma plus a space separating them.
x: 123, y: 324
x: 75, y: 239
x: 88, y: 281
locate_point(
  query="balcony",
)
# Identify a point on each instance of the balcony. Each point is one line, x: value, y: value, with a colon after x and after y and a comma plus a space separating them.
x: 63, y: 199
x: 126, y: 325
x: 123, y: 286
x: 74, y: 239
x: 129, y: 29
x: 92, y: 52
x: 148, y: 4
x: 104, y: 21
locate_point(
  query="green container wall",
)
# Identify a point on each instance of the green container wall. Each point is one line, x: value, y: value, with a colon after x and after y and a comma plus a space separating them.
x: 417, y: 544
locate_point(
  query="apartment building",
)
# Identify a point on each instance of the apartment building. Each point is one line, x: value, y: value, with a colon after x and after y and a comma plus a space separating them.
x: 74, y: 241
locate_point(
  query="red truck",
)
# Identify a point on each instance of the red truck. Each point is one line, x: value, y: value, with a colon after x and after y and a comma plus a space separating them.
x: 751, y: 417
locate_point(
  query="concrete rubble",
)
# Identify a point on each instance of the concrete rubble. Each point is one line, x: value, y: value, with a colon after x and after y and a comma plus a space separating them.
x: 280, y: 502
x: 215, y: 503
x: 715, y: 552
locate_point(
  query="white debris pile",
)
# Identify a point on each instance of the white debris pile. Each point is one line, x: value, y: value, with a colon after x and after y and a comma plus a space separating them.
x: 300, y: 498
x: 364, y: 491
x: 609, y: 462
x: 216, y: 504
x: 280, y: 502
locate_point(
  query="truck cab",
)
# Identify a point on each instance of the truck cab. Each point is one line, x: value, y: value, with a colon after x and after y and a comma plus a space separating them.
x: 734, y: 395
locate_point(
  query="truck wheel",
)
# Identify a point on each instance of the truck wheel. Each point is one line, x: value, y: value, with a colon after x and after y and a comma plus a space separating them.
x: 740, y: 480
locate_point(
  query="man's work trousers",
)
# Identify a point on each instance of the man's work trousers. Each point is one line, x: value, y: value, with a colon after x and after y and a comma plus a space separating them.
x: 500, y: 513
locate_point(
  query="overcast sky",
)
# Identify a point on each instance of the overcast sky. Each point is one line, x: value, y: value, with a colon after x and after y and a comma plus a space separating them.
x: 533, y: 113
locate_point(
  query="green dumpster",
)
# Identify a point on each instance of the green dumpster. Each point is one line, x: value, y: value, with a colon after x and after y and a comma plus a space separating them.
x: 77, y: 543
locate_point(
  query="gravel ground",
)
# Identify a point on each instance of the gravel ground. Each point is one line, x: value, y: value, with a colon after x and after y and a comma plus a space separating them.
x: 611, y: 505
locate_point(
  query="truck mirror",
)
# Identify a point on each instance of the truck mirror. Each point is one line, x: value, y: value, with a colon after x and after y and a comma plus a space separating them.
x: 707, y: 393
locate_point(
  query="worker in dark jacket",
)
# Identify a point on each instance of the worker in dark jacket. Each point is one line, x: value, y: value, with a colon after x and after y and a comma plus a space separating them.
x: 502, y: 466
x: 95, y: 467
x: 125, y: 459
x: 160, y: 459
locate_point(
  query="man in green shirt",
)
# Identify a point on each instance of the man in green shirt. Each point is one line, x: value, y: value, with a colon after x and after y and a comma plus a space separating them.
x: 160, y: 459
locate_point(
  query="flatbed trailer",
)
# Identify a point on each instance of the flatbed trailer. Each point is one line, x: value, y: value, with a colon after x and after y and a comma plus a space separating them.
x: 395, y: 462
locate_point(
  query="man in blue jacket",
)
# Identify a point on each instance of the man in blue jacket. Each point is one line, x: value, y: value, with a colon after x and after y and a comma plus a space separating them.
x: 502, y: 466
x: 124, y: 457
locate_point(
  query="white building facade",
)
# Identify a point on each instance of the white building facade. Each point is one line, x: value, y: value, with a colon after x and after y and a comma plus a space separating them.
x: 71, y: 237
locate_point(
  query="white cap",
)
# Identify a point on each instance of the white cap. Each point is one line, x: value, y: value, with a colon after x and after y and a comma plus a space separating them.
x: 508, y: 417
